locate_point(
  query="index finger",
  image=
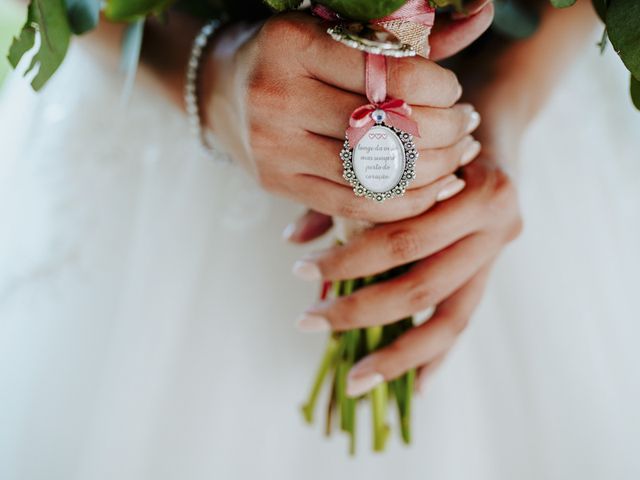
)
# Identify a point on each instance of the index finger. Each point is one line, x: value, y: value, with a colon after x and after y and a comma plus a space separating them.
x: 421, y: 344
x: 398, y: 243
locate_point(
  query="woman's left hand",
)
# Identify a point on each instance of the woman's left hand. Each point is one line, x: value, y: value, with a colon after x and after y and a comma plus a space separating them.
x: 451, y: 248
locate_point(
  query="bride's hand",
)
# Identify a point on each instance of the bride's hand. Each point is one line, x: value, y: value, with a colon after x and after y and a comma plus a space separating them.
x: 452, y: 245
x: 279, y: 98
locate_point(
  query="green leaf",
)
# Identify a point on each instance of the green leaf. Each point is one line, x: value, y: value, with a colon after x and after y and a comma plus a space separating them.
x: 132, y: 10
x: 623, y: 27
x: 600, y: 6
x: 83, y: 15
x: 562, y: 3
x: 49, y: 19
x: 363, y: 10
x: 281, y: 5
x: 23, y: 43
x: 635, y: 91
x: 456, y: 4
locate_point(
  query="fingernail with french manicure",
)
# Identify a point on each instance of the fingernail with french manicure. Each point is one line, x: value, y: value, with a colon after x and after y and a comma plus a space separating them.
x: 311, y: 322
x: 306, y: 270
x: 473, y: 122
x: 289, y: 230
x: 360, y: 384
x: 471, y: 152
x: 363, y: 377
x: 450, y: 189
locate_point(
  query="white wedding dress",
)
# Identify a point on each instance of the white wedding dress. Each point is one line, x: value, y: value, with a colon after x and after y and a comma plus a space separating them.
x: 147, y: 305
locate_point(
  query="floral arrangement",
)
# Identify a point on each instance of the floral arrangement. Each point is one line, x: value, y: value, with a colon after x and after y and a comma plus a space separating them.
x: 55, y: 22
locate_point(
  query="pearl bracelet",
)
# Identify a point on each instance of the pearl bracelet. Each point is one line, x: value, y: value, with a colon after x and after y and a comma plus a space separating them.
x: 191, y: 92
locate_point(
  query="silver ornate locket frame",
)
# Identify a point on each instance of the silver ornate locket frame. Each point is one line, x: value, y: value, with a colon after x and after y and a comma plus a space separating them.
x: 408, y: 173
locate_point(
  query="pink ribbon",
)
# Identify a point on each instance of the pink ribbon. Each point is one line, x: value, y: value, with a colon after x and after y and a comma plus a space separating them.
x: 397, y: 111
x: 418, y: 11
x: 397, y: 114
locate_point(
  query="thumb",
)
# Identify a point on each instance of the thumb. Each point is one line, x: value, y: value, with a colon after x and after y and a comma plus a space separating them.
x: 449, y: 36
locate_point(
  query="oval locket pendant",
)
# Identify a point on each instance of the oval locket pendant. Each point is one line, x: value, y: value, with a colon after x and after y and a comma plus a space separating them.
x: 382, y: 164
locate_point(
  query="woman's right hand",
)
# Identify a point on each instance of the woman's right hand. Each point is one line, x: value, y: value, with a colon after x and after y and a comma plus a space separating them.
x: 279, y: 96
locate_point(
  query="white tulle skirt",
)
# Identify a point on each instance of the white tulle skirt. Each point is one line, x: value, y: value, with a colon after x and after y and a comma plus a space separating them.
x: 146, y: 305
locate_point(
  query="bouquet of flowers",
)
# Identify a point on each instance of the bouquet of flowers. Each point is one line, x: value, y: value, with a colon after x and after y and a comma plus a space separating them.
x: 55, y: 22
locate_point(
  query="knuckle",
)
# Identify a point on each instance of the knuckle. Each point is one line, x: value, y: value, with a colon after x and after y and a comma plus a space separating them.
x: 256, y: 83
x: 495, y: 188
x: 503, y: 204
x: 286, y: 32
x: 283, y: 29
x: 421, y: 295
x: 398, y: 350
x: 403, y: 77
x: 265, y: 93
x: 334, y: 265
x: 504, y: 196
x: 346, y: 310
x: 404, y: 244
x: 350, y: 209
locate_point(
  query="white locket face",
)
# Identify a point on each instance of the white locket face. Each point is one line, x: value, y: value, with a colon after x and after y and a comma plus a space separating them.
x: 379, y: 160
x: 382, y: 164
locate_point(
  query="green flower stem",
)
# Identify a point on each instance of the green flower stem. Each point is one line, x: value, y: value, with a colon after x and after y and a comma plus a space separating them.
x: 341, y: 393
x: 331, y: 406
x: 337, y: 288
x: 380, y: 394
x: 403, y: 389
x: 342, y: 352
x: 328, y: 361
x: 379, y: 403
x: 352, y: 340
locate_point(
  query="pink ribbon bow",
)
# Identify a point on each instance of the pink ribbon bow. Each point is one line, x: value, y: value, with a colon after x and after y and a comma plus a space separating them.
x: 397, y: 114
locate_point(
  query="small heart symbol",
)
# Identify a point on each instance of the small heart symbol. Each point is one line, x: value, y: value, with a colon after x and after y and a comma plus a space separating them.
x: 378, y: 136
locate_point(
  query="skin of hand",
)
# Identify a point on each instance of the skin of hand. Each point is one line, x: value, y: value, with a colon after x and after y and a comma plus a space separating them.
x: 278, y: 97
x: 452, y: 245
x: 455, y: 243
